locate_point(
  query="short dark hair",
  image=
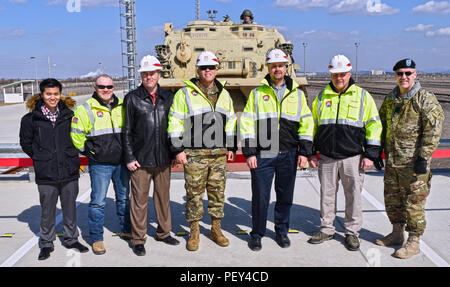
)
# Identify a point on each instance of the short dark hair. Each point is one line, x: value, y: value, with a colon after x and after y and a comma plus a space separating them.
x: 50, y: 83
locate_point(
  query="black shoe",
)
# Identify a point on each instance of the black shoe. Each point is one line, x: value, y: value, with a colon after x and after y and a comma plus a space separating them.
x: 45, y: 253
x: 255, y: 244
x: 139, y: 249
x: 320, y: 237
x: 169, y: 240
x: 351, y: 242
x: 283, y: 240
x: 77, y: 245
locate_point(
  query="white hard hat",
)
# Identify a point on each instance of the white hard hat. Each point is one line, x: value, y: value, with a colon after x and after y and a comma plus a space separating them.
x: 149, y: 63
x: 339, y: 64
x: 276, y: 56
x: 207, y: 58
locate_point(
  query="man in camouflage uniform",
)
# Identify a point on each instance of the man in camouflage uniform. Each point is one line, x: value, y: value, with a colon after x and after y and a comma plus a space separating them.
x: 412, y: 124
x: 202, y: 129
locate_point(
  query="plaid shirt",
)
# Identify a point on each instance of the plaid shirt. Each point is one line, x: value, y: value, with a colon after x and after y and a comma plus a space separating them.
x: 49, y: 115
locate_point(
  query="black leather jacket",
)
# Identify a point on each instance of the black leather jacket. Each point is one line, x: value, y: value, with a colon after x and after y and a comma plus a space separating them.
x: 145, y: 137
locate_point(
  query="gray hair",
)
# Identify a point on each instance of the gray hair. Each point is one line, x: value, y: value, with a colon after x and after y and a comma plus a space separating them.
x: 103, y: 76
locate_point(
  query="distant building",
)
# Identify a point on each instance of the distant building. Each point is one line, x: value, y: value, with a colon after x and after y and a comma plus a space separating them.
x: 377, y: 72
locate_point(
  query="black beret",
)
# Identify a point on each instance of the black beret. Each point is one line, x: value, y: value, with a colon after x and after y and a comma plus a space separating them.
x: 405, y: 63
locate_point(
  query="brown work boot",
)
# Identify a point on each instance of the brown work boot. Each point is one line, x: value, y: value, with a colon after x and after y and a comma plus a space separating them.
x: 194, y: 237
x: 396, y: 237
x: 216, y: 233
x: 410, y: 248
x: 98, y: 248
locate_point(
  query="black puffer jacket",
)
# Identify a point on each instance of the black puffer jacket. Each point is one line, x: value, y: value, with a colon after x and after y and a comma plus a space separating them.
x: 145, y: 137
x: 55, y: 158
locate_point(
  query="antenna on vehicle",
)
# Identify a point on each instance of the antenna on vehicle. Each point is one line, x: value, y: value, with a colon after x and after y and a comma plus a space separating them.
x: 198, y: 9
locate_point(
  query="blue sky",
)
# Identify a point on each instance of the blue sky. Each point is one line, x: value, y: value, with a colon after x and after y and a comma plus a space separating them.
x: 387, y: 30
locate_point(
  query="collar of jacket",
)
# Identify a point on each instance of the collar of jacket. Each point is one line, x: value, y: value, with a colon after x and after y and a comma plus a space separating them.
x: 290, y: 83
x: 62, y: 106
x: 114, y: 103
x: 36, y: 101
x: 350, y: 83
x: 143, y: 93
x: 410, y: 94
x: 194, y: 81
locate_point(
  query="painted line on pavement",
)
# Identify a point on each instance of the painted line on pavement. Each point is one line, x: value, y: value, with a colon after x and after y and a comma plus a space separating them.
x: 35, y: 239
x: 430, y: 253
x: 427, y: 250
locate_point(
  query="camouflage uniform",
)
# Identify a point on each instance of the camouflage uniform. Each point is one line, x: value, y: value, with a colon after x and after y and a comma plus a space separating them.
x: 412, y: 126
x: 205, y: 168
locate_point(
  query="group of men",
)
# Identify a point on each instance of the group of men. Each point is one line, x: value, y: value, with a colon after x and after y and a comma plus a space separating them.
x: 139, y: 139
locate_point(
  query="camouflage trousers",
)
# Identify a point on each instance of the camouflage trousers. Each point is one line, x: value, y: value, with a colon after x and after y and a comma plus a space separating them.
x: 205, y: 169
x: 405, y: 195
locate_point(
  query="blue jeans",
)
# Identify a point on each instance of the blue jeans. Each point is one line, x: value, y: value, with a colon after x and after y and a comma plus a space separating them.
x: 284, y: 167
x: 101, y: 175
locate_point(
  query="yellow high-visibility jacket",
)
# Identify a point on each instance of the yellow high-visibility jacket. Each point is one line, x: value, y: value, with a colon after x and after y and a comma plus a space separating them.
x: 265, y: 117
x: 346, y: 124
x: 97, y: 131
x: 195, y: 124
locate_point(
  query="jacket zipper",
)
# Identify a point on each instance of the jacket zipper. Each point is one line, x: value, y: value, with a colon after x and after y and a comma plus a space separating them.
x: 337, y: 118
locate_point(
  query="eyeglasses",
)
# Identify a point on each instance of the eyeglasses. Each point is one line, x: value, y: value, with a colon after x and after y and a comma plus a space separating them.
x: 212, y: 67
x: 400, y: 74
x: 338, y: 75
x: 102, y: 87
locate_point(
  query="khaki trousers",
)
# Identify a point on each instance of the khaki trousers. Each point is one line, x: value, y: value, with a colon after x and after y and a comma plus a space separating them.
x: 140, y: 186
x: 352, y: 179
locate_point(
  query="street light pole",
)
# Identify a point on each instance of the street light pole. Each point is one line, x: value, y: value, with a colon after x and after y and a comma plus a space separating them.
x: 304, y: 56
x: 356, y: 75
x: 35, y: 72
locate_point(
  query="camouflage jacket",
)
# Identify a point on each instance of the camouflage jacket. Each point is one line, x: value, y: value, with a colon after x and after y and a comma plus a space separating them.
x: 412, y: 125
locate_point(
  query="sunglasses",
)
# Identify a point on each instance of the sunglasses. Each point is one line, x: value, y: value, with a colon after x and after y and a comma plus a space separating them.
x: 400, y: 74
x: 102, y: 87
x: 207, y: 67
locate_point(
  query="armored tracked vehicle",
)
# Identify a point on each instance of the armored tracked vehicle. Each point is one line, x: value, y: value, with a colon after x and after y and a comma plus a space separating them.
x: 241, y: 49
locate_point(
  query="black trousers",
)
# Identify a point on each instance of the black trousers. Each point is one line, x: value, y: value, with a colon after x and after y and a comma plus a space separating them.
x: 284, y: 168
x: 48, y: 196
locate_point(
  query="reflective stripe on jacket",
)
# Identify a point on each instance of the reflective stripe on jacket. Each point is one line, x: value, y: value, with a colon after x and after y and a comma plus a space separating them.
x: 195, y: 123
x: 96, y: 130
x: 265, y: 121
x: 346, y: 124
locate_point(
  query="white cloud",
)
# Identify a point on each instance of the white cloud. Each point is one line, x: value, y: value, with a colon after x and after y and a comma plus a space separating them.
x: 87, y: 3
x: 433, y: 7
x: 18, y: 1
x: 303, y: 5
x: 92, y: 74
x: 420, y: 28
x: 368, y: 7
x: 12, y: 32
x: 439, y: 32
